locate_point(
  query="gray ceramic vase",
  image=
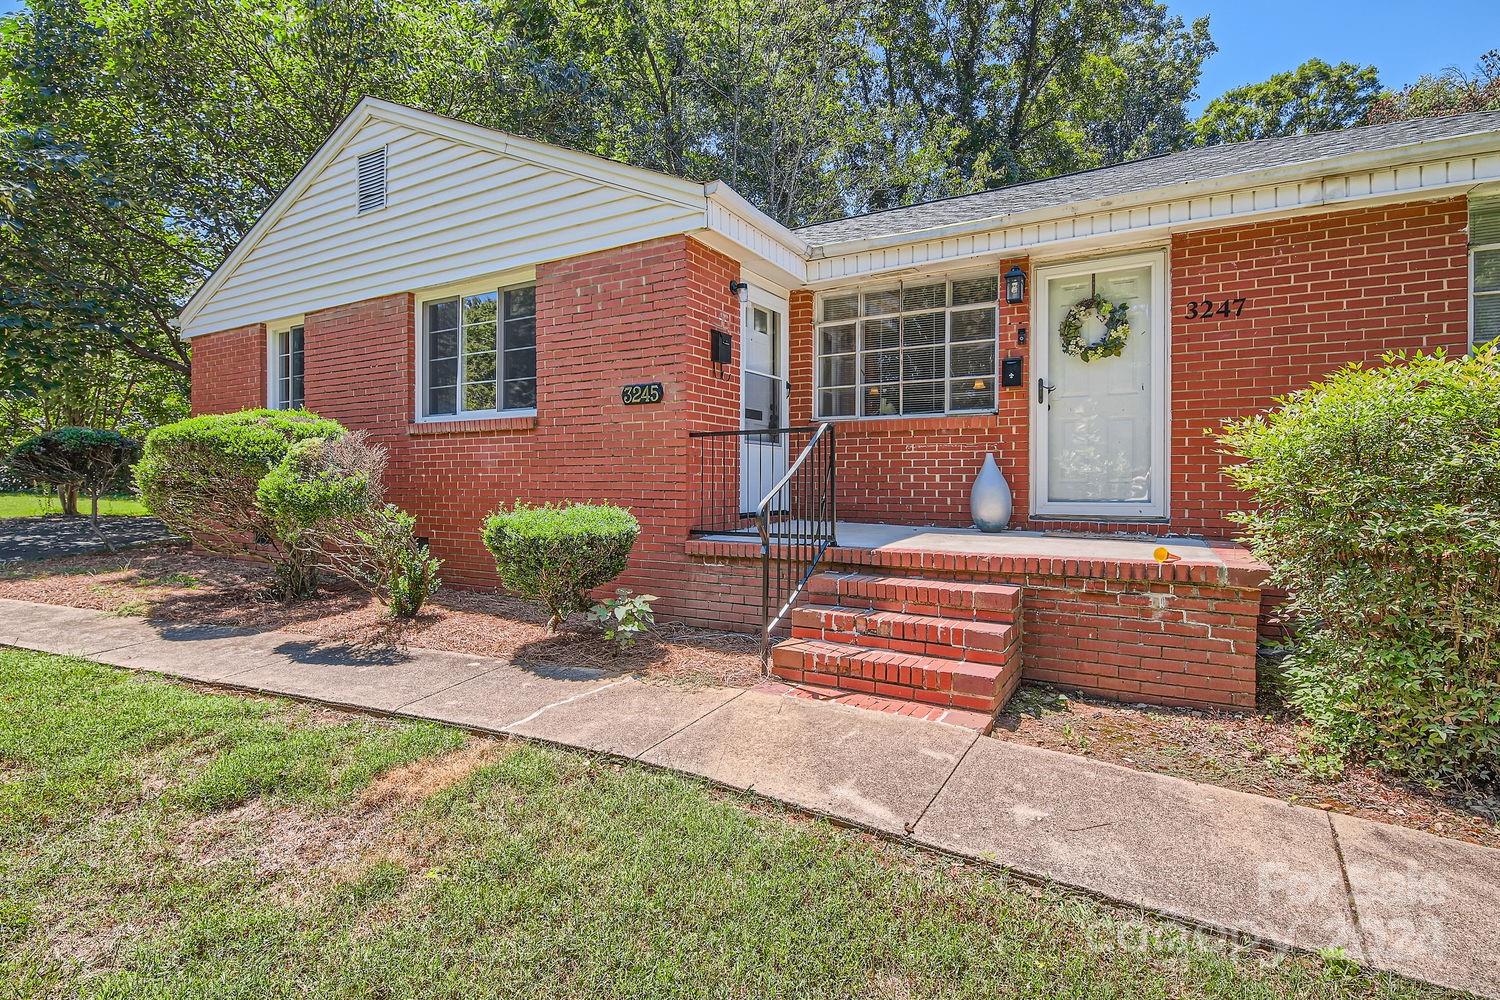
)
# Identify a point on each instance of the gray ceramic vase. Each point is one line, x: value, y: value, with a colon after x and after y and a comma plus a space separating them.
x: 990, y: 500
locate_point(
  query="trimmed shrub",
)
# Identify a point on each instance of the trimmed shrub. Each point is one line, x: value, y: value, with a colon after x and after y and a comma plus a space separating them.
x: 1378, y: 496
x: 325, y: 497
x: 75, y: 460
x: 555, y: 554
x: 201, y: 476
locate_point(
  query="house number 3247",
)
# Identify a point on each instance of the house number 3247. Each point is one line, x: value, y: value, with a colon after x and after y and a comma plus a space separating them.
x: 1211, y: 309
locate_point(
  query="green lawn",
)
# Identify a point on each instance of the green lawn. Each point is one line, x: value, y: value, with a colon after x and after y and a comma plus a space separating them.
x: 158, y: 841
x: 33, y: 505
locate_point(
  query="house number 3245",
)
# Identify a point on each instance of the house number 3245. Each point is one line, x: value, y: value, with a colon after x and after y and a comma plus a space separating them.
x: 1211, y: 309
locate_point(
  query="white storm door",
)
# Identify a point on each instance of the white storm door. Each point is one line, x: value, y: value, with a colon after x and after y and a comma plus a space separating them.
x: 763, y: 397
x: 1100, y: 427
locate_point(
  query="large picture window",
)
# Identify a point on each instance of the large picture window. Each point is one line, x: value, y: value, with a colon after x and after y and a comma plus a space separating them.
x: 286, y: 369
x: 480, y: 353
x: 918, y: 347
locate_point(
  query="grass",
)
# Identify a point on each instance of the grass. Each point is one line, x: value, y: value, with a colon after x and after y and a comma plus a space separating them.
x: 35, y: 505
x: 159, y: 841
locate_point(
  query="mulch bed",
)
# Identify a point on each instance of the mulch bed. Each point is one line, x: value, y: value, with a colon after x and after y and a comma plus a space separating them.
x: 171, y: 583
x: 1260, y: 753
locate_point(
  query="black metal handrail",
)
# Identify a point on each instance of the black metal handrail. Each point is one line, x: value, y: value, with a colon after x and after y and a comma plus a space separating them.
x: 798, y: 521
x: 795, y: 520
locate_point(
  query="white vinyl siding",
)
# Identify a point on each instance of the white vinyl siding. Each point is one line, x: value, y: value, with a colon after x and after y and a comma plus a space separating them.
x: 924, y: 346
x: 1484, y: 263
x: 454, y: 213
x: 479, y: 353
x: 286, y: 357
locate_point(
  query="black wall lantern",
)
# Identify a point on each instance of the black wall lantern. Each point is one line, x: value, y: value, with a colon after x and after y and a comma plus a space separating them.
x: 1015, y: 285
x: 740, y: 290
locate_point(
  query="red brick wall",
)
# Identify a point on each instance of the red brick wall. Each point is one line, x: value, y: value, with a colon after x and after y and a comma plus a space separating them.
x: 633, y: 314
x: 918, y: 470
x: 1321, y: 290
x: 229, y: 370
x: 1164, y: 635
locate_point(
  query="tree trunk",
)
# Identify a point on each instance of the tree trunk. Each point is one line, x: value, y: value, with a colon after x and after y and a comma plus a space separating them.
x: 296, y: 575
x: 68, y: 497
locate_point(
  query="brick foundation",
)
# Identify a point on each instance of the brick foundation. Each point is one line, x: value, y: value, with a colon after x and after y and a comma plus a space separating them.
x: 1182, y: 633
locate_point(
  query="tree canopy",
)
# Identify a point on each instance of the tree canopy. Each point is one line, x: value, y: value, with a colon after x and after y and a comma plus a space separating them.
x: 140, y: 139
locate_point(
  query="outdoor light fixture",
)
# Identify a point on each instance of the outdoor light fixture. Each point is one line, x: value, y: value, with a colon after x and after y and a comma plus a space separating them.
x: 740, y: 290
x: 1015, y: 285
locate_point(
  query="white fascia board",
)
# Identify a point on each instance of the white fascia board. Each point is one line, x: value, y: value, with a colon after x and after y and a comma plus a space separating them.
x: 1468, y: 145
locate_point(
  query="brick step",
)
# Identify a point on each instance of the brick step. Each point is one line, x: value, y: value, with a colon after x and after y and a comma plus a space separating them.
x: 968, y: 640
x: 996, y: 602
x: 930, y: 679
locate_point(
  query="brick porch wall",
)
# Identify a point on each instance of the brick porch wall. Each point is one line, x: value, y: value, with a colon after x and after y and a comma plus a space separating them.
x: 637, y: 313
x: 1322, y: 290
x: 1179, y: 634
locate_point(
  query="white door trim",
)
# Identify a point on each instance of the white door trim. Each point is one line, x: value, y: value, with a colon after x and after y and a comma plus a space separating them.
x: 1161, y: 473
x: 763, y: 463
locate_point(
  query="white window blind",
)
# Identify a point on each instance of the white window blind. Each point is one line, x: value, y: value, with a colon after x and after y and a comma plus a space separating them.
x: 1484, y: 262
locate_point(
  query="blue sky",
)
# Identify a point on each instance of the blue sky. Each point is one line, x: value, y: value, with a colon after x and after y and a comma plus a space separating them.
x: 1404, y: 40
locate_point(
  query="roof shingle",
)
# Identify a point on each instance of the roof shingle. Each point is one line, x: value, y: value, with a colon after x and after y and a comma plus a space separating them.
x: 1142, y: 175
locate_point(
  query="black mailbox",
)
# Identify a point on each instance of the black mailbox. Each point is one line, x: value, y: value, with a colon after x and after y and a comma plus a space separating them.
x: 1010, y: 372
x: 721, y: 347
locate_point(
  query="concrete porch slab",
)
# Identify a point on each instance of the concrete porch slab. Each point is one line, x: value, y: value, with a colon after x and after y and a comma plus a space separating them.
x: 502, y: 695
x: 1033, y: 544
x: 382, y: 679
x: 1427, y: 906
x: 880, y: 770
x: 626, y: 718
x: 1198, y: 852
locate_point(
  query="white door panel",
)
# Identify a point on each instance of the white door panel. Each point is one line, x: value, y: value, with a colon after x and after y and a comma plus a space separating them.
x: 1100, y: 431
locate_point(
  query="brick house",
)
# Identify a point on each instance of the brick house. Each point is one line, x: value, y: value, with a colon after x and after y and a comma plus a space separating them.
x: 516, y: 321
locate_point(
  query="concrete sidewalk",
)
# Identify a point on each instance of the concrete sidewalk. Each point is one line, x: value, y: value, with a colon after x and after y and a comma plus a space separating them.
x: 1252, y: 867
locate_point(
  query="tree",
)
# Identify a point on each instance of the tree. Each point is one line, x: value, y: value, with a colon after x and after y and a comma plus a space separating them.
x: 75, y: 460
x: 981, y: 93
x: 1451, y: 92
x: 1314, y: 97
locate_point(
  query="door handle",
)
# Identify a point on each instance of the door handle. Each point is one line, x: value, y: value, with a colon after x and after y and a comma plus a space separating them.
x: 1042, y: 389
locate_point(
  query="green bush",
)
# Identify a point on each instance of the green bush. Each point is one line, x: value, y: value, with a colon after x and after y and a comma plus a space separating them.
x: 555, y: 555
x: 202, y: 476
x: 1378, y: 495
x: 75, y: 460
x: 325, y: 497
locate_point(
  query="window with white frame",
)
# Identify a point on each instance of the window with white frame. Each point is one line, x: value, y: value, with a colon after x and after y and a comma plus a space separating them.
x: 286, y: 369
x: 917, y: 347
x: 1484, y: 262
x: 479, y: 353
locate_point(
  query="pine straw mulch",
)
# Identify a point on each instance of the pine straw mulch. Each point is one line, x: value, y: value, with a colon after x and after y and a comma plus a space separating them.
x: 1266, y: 753
x: 170, y: 583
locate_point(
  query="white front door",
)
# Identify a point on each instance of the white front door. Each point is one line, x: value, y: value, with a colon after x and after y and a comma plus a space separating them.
x: 763, y: 397
x: 1101, y: 426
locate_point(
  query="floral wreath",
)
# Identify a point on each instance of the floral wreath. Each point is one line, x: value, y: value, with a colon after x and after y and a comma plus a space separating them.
x: 1116, y: 322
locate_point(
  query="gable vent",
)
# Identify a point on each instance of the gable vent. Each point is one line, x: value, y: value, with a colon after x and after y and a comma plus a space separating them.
x: 372, y: 180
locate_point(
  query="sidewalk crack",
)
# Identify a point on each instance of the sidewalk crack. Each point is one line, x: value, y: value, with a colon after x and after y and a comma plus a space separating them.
x: 1359, y: 928
x: 911, y: 827
x: 563, y: 701
x: 687, y: 725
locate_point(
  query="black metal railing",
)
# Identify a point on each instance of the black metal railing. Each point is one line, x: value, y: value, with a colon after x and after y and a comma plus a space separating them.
x: 782, y: 485
x: 734, y: 471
